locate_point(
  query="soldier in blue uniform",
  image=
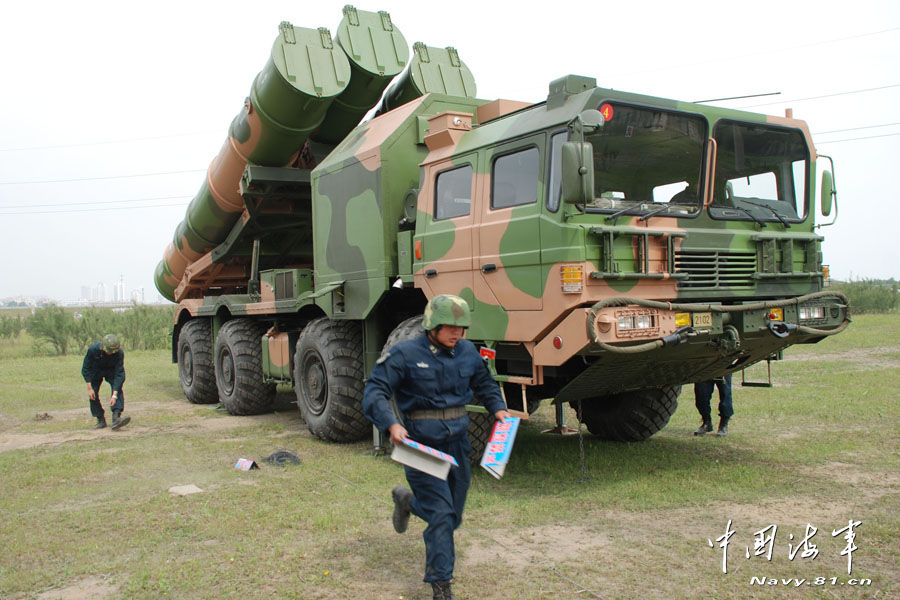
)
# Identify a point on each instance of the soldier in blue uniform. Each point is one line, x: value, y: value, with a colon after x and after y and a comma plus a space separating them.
x: 433, y: 377
x: 106, y: 360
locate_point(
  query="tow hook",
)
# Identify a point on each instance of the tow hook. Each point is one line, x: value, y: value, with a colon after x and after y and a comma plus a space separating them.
x: 679, y: 336
x: 781, y: 329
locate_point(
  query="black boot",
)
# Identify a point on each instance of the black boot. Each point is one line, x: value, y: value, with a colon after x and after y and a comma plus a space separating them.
x: 442, y: 590
x: 118, y: 421
x: 101, y: 422
x: 723, y: 427
x: 705, y: 427
x: 402, y: 501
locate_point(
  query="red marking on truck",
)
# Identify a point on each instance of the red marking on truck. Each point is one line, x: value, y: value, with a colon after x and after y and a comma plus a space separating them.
x: 607, y: 111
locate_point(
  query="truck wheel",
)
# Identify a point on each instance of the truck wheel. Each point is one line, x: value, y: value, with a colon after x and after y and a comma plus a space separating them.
x: 195, y: 362
x: 630, y: 416
x: 328, y: 380
x: 239, y: 379
x: 480, y: 424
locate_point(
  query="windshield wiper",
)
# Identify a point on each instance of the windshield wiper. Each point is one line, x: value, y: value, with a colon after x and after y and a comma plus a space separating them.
x: 663, y: 208
x: 749, y: 214
x: 770, y: 209
x: 621, y: 212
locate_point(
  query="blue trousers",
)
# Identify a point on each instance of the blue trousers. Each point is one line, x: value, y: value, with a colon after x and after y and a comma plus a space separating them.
x: 703, y: 394
x: 437, y: 502
x: 97, y: 405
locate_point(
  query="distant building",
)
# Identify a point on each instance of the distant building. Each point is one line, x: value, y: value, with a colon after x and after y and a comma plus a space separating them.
x: 18, y: 301
x: 119, y: 290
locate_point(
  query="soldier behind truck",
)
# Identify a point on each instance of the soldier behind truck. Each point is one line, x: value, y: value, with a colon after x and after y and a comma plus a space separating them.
x: 703, y: 391
x: 106, y: 360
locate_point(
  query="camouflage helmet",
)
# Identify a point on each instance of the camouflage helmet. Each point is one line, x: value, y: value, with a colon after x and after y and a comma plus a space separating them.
x: 446, y: 309
x: 110, y: 343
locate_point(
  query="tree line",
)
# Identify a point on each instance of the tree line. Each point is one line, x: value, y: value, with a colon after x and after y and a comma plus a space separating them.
x: 870, y: 295
x: 56, y: 330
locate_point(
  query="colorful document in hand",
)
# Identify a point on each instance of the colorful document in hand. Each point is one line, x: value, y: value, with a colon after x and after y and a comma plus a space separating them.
x: 423, y: 458
x: 499, y: 446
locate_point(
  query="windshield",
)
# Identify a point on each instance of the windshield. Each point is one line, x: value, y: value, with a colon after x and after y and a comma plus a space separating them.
x: 761, y: 173
x: 647, y: 161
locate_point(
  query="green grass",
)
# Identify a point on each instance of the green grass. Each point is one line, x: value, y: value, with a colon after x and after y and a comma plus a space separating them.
x: 820, y: 447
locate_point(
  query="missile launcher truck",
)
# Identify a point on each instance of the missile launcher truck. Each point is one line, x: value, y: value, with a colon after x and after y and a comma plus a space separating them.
x: 612, y: 246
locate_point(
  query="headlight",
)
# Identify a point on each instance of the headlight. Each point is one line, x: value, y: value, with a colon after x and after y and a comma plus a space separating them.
x: 808, y: 313
x: 629, y: 322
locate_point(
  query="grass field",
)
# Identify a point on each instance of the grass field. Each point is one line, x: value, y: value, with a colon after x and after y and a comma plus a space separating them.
x: 88, y: 514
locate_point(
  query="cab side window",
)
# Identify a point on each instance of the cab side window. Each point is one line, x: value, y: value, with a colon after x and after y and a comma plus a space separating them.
x: 514, y: 178
x: 554, y: 190
x: 453, y: 193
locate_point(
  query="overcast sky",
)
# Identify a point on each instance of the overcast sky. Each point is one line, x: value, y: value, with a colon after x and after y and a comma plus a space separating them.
x: 114, y: 110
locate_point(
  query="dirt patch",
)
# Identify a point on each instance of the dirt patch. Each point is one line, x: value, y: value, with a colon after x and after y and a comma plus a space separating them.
x: 7, y: 423
x: 189, y: 417
x: 534, y: 545
x: 869, y: 485
x: 20, y: 441
x: 88, y: 588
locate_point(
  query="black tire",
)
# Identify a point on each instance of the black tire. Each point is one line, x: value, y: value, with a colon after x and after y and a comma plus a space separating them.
x: 328, y: 380
x: 195, y: 362
x: 630, y: 416
x: 239, y: 377
x: 408, y: 329
x: 480, y: 424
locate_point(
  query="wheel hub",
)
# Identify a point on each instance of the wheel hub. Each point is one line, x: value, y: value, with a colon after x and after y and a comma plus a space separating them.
x: 187, y: 366
x: 227, y: 364
x: 315, y: 383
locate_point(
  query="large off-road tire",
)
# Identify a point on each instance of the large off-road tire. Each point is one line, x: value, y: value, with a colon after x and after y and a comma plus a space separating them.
x: 239, y: 376
x: 480, y: 424
x: 328, y: 380
x: 630, y: 416
x: 195, y: 362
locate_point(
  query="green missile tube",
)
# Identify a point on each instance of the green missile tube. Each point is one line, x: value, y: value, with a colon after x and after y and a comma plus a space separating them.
x: 377, y: 52
x: 437, y: 70
x: 288, y: 100
x: 164, y: 280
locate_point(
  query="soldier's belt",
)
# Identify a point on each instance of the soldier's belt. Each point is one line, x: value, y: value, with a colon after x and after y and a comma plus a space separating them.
x: 442, y: 414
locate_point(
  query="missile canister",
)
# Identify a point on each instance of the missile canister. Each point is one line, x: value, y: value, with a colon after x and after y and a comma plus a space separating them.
x: 288, y: 101
x: 431, y: 69
x: 377, y: 52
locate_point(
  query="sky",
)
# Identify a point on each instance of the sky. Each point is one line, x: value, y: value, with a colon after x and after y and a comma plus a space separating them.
x: 114, y: 110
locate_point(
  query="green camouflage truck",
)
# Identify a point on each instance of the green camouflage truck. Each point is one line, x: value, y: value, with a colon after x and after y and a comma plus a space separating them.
x: 612, y: 246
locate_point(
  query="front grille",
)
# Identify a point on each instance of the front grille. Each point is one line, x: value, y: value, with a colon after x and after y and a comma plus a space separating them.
x: 715, y: 270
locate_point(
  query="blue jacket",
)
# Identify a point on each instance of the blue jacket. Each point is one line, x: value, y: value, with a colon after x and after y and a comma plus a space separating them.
x: 422, y: 376
x: 98, y: 364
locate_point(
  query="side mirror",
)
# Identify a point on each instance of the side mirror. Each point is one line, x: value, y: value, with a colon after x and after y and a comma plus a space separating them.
x: 592, y: 118
x: 577, y: 172
x: 827, y: 193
